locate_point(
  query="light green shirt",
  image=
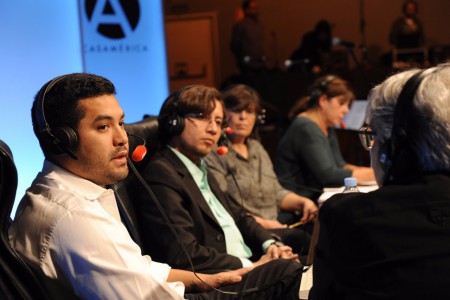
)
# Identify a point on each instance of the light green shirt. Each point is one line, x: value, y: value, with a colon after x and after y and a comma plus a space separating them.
x: 233, y: 238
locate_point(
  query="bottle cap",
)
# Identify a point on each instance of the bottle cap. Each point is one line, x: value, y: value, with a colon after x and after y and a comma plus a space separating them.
x: 350, y: 181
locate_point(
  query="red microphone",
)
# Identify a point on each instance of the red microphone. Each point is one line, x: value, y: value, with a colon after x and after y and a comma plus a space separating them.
x: 223, y: 142
x: 228, y: 130
x: 222, y: 150
x: 342, y: 124
x: 139, y: 153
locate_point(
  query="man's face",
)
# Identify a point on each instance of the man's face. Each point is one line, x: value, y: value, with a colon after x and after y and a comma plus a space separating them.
x: 103, y: 143
x: 200, y: 135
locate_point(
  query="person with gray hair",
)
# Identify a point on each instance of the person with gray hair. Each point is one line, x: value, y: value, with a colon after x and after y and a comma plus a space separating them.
x: 393, y: 243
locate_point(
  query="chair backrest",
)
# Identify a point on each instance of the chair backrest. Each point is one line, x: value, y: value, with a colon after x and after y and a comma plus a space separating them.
x: 148, y: 130
x: 17, y: 281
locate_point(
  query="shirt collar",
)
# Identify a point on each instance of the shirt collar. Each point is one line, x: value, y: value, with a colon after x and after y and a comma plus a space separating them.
x: 197, y: 172
x: 74, y: 183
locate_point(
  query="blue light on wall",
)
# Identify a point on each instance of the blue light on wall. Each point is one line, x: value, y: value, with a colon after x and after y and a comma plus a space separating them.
x: 42, y: 39
x: 39, y: 40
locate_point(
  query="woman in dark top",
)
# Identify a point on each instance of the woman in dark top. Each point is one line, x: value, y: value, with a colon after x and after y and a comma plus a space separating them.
x: 308, y: 154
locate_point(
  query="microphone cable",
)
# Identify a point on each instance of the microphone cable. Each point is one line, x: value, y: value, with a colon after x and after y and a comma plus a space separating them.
x: 177, y: 236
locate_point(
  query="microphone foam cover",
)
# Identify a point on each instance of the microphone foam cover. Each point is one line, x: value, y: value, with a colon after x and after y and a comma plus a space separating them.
x: 228, y: 130
x: 139, y: 153
x: 222, y: 150
x: 342, y: 124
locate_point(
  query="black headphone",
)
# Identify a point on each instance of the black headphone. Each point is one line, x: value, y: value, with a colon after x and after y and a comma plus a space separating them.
x: 321, y: 88
x: 175, y: 122
x: 60, y: 139
x: 260, y: 115
x: 392, y: 150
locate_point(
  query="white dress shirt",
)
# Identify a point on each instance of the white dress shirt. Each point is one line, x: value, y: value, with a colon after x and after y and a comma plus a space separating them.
x: 69, y: 230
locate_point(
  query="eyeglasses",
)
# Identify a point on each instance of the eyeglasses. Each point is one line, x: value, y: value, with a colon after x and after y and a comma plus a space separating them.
x: 205, y: 118
x: 367, y: 137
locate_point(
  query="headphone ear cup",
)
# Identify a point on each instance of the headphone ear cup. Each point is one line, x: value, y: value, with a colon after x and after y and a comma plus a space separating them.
x: 175, y: 125
x: 261, y: 117
x: 65, y: 138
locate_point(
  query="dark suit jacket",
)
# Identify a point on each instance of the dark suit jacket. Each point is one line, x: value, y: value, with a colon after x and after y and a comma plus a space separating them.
x: 393, y: 243
x: 191, y: 216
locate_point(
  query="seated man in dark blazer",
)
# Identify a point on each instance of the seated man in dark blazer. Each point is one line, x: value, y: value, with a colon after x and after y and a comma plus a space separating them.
x: 216, y: 232
x: 393, y: 243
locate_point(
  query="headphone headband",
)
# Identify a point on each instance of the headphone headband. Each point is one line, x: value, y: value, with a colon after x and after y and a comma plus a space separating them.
x: 174, y: 123
x: 61, y: 139
x: 404, y: 105
x: 320, y: 87
x: 390, y: 153
x: 44, y: 127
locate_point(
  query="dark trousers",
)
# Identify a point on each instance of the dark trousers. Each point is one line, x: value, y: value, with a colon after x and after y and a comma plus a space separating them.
x: 276, y: 279
x: 296, y: 238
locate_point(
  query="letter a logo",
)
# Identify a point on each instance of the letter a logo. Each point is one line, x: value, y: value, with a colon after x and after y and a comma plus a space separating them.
x: 114, y: 19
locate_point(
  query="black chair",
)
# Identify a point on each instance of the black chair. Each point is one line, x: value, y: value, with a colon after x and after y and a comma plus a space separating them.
x: 148, y: 130
x: 17, y: 281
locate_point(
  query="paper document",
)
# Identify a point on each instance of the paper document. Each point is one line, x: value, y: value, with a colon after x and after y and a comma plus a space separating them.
x: 306, y: 283
x: 328, y: 192
x: 354, y: 119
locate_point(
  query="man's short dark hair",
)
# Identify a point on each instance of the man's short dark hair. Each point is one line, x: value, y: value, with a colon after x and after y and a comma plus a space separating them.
x: 197, y: 99
x: 61, y: 102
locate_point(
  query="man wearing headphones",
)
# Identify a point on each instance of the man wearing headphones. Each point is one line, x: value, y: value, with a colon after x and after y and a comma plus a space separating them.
x: 68, y: 227
x: 215, y: 231
x: 393, y: 243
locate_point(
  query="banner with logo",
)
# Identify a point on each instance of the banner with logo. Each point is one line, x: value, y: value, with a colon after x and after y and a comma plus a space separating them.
x: 123, y: 40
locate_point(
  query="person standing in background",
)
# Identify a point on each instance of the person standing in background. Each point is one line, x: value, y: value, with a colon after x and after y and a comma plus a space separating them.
x: 407, y: 31
x: 312, y: 54
x: 248, y: 40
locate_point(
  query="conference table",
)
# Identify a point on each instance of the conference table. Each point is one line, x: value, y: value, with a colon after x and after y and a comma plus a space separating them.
x: 365, y: 187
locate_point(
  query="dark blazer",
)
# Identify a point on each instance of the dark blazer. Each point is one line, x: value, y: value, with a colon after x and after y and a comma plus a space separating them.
x: 393, y: 243
x: 188, y: 211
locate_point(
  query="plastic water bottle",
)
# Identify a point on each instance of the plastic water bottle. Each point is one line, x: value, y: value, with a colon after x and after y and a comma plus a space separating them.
x: 351, y: 185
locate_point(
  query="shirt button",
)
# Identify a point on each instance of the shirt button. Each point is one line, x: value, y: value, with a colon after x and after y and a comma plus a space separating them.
x: 220, y: 238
